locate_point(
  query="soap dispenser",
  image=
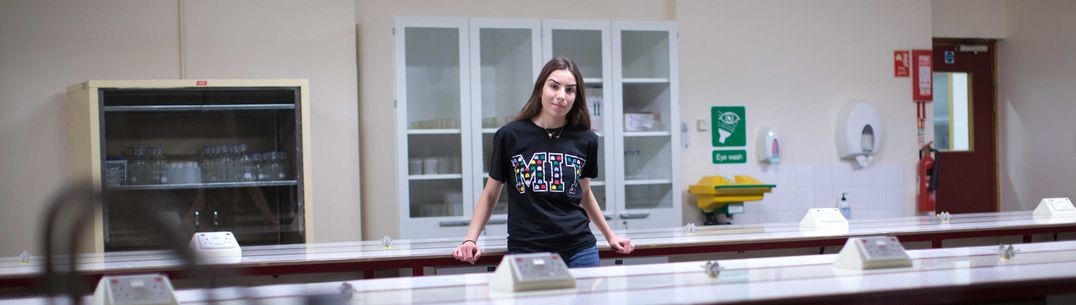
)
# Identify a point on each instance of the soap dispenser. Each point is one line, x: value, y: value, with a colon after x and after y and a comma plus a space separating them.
x: 844, y: 206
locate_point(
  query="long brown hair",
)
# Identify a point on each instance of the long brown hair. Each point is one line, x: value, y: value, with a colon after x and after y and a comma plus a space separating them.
x: 578, y: 116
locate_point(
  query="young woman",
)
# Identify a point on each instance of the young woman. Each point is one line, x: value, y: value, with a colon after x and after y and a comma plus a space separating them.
x: 547, y: 156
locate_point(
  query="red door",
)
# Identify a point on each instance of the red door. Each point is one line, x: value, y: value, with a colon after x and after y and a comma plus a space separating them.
x: 968, y: 176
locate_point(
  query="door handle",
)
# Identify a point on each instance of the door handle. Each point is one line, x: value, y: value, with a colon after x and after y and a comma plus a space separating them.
x: 634, y: 215
x: 607, y: 217
x: 464, y: 223
x: 455, y: 223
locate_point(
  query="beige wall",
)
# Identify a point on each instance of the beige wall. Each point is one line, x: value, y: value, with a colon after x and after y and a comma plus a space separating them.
x: 793, y: 64
x: 47, y: 45
x: 1037, y: 103
x: 968, y: 18
x: 376, y: 86
x: 294, y: 39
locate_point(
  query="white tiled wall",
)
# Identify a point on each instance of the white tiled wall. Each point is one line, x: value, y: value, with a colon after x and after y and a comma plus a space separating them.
x: 874, y: 192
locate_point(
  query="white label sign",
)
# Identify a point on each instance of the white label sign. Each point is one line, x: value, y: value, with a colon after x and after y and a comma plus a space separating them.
x: 823, y: 219
x: 142, y: 289
x: 533, y: 271
x: 1055, y: 208
x: 215, y: 245
x: 872, y: 252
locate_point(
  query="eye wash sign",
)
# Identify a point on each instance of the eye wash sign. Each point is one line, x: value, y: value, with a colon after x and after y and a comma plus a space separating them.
x: 729, y: 128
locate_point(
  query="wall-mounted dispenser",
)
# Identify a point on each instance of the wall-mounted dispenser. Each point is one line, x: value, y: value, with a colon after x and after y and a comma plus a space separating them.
x: 769, y: 146
x: 859, y: 133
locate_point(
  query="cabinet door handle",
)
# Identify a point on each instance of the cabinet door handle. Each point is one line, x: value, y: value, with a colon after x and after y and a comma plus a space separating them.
x: 464, y: 223
x: 634, y: 216
x: 455, y: 223
x: 607, y: 217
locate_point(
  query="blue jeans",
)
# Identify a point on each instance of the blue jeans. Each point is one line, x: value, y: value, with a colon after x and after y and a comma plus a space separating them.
x: 586, y: 257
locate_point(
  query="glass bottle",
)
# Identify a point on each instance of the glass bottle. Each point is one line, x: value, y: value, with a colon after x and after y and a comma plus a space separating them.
x: 203, y: 164
x: 273, y: 162
x: 263, y: 167
x: 136, y: 171
x: 248, y: 169
x: 158, y: 167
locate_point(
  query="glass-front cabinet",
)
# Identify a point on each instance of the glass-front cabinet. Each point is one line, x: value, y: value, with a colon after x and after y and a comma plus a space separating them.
x: 460, y: 79
x: 433, y: 124
x: 504, y: 56
x: 647, y: 118
x: 588, y: 43
x: 204, y: 155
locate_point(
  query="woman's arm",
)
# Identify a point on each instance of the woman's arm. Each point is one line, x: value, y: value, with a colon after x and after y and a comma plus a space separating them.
x: 590, y: 204
x: 468, y: 251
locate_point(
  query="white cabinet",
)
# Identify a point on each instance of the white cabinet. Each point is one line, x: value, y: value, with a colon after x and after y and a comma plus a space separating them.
x: 504, y: 56
x: 589, y: 44
x: 459, y: 79
x: 646, y: 117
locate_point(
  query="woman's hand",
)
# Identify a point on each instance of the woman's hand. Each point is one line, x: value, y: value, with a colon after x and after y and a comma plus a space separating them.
x: 467, y: 252
x: 621, y: 245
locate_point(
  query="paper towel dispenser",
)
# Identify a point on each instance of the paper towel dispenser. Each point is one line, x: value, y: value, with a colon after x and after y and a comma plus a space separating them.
x: 859, y: 133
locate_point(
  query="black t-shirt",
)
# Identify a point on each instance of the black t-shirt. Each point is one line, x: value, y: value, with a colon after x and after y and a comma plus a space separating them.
x: 542, y: 176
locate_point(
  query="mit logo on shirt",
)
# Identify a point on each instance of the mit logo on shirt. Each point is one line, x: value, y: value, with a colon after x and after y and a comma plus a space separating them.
x: 545, y: 172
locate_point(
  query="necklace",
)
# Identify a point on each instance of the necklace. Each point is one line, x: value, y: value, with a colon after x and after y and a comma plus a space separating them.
x: 555, y: 133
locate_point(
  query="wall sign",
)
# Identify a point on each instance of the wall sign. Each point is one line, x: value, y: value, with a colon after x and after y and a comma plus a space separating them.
x: 902, y: 60
x: 732, y: 156
x: 729, y: 126
x: 729, y: 129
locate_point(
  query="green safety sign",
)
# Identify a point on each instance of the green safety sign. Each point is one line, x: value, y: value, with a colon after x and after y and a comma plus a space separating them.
x: 729, y: 126
x: 734, y: 156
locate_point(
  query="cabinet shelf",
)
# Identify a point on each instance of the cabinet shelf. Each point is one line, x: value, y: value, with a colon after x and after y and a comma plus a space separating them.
x: 645, y: 81
x: 179, y: 108
x: 436, y: 177
x: 433, y: 131
x: 211, y: 185
x: 647, y: 181
x: 628, y: 134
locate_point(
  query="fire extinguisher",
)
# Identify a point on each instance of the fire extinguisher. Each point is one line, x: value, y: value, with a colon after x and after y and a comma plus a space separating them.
x: 927, y: 177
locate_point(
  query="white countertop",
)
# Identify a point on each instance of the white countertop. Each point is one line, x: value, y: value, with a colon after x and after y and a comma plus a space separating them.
x: 792, y: 278
x: 373, y: 251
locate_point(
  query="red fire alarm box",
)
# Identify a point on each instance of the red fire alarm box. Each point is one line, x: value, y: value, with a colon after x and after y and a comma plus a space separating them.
x: 922, y: 75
